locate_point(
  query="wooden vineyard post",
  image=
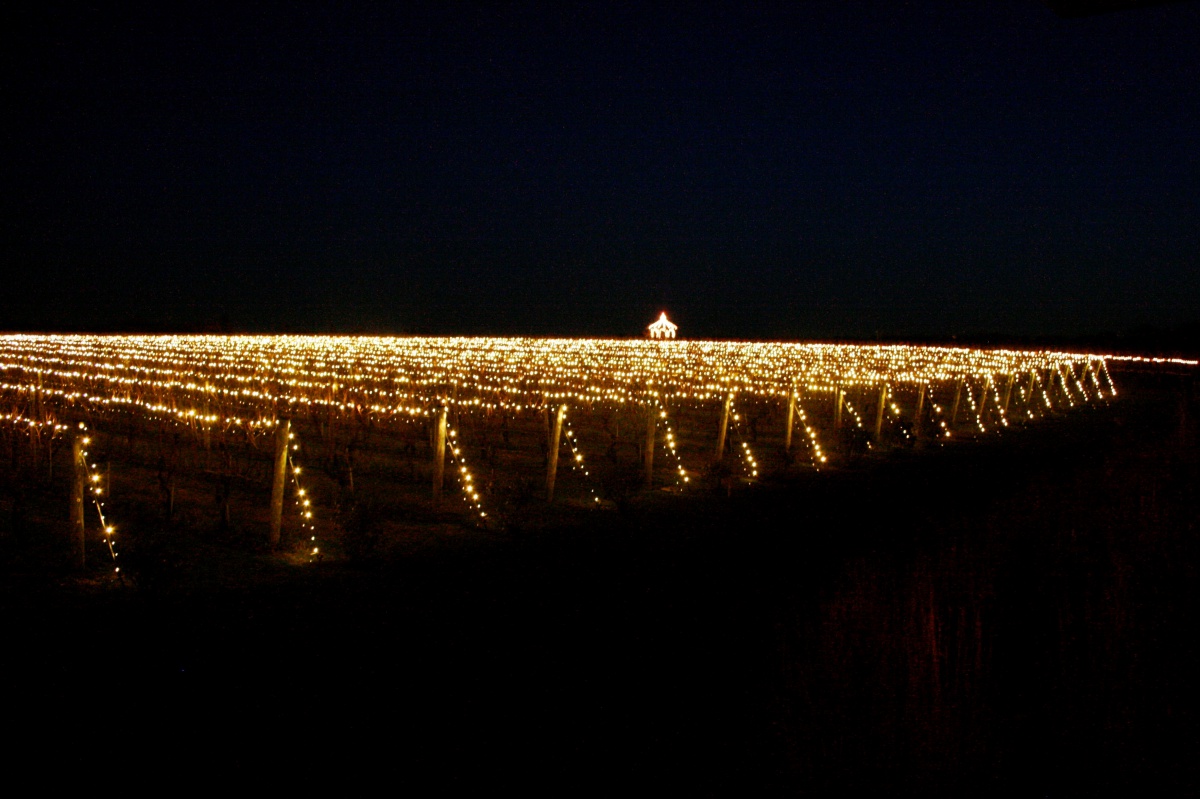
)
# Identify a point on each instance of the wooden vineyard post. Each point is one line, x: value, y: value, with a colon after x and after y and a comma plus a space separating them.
x: 439, y: 452
x: 920, y: 410
x: 648, y: 450
x: 957, y: 398
x: 552, y: 461
x: 839, y: 399
x: 724, y: 426
x: 791, y: 418
x: 78, y: 478
x: 883, y: 393
x: 1008, y: 393
x: 283, y: 437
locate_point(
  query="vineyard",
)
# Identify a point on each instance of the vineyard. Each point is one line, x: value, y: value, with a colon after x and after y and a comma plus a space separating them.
x: 299, y: 442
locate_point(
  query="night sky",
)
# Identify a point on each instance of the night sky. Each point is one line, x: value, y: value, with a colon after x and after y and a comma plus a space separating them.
x: 809, y: 170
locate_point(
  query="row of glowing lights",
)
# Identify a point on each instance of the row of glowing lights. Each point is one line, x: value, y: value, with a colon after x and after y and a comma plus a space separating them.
x: 818, y: 455
x: 193, y: 416
x: 385, y: 369
x: 205, y: 416
x: 208, y: 393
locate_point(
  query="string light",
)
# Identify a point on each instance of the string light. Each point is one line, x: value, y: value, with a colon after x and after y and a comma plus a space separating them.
x: 990, y: 386
x: 939, y: 411
x: 854, y: 413
x: 466, y: 481
x: 894, y: 414
x: 92, y: 481
x: 1045, y: 394
x: 304, y: 506
x: 1062, y: 379
x: 577, y: 464
x: 1079, y: 384
x: 818, y: 457
x: 1112, y: 387
x: 975, y: 409
x: 749, y: 464
x: 672, y: 445
x: 1094, y: 377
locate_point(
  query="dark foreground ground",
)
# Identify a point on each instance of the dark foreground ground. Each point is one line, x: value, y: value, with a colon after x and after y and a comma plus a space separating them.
x: 1015, y: 617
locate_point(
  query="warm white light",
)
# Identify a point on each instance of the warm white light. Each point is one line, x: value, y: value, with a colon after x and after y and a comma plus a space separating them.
x: 663, y: 328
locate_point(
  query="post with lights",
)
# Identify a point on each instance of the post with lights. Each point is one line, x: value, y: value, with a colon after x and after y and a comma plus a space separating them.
x: 724, y: 426
x: 79, y: 477
x: 919, y: 412
x: 883, y: 395
x: 283, y: 437
x: 839, y: 399
x: 791, y: 418
x: 439, y: 452
x: 555, y: 443
x: 1008, y: 393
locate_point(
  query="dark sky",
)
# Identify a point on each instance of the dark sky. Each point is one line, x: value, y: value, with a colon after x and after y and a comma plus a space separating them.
x: 813, y: 169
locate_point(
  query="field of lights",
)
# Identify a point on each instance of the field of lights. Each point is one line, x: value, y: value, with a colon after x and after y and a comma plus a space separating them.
x: 250, y: 381
x: 491, y: 416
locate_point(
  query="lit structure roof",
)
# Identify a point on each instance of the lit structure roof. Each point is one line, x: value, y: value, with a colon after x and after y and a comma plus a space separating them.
x: 663, y: 328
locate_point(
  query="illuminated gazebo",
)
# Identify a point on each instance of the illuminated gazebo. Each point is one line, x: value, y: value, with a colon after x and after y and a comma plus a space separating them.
x: 663, y: 328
